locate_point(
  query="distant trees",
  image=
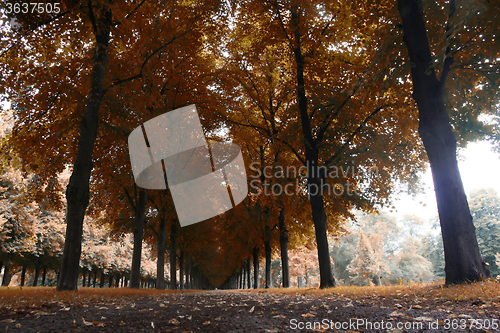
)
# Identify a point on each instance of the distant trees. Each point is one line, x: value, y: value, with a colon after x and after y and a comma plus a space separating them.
x: 367, y: 263
x: 381, y: 250
x: 485, y: 210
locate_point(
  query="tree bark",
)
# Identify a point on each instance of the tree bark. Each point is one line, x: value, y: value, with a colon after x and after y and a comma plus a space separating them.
x: 95, y: 277
x: 463, y: 261
x: 284, y: 246
x: 162, y: 246
x: 256, y: 283
x: 23, y: 275
x: 140, y: 209
x: 6, y: 274
x: 83, y: 278
x: 181, y: 270
x: 38, y: 266
x: 173, y: 257
x: 267, y: 248
x: 314, y: 180
x: 101, y: 280
x: 77, y: 192
x: 249, y: 270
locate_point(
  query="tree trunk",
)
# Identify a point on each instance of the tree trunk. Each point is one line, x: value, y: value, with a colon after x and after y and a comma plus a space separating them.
x: 83, y: 278
x: 77, y: 192
x: 23, y: 275
x: 173, y: 257
x: 38, y: 266
x: 284, y: 246
x: 267, y: 248
x: 160, y: 264
x: 249, y: 270
x: 187, y: 263
x: 140, y: 209
x: 181, y: 270
x: 95, y: 277
x: 44, y: 275
x: 101, y: 280
x: 110, y: 284
x: 6, y: 274
x: 463, y: 261
x: 314, y: 180
x: 256, y: 283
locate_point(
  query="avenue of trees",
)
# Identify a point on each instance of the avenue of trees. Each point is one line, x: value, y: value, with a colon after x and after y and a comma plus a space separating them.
x: 332, y: 103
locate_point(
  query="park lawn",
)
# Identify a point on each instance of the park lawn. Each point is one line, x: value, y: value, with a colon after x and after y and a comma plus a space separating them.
x: 43, y: 309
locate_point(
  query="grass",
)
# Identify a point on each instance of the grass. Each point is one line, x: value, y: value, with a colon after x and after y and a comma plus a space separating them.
x: 486, y: 291
x: 34, y: 297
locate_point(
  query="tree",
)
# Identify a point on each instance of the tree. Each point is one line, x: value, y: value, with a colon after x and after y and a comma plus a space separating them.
x: 325, y: 117
x: 485, y: 210
x: 54, y: 90
x: 367, y: 263
x: 462, y: 256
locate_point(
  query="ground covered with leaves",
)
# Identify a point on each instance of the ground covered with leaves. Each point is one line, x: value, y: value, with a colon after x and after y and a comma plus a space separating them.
x: 406, y: 308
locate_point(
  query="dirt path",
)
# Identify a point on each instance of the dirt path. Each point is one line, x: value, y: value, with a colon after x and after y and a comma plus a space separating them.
x: 245, y: 311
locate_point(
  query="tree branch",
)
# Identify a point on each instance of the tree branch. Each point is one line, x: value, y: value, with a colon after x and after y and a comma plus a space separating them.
x: 360, y: 127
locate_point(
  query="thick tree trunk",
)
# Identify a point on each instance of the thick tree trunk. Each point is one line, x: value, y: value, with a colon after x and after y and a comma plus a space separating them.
x: 77, y: 192
x: 23, y: 275
x: 173, y: 257
x: 140, y: 209
x: 284, y: 246
x: 162, y: 246
x: 256, y: 282
x: 315, y: 182
x: 38, y: 266
x: 463, y: 261
x: 267, y: 248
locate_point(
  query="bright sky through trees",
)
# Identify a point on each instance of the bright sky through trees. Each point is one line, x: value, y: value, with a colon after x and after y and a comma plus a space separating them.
x: 479, y: 166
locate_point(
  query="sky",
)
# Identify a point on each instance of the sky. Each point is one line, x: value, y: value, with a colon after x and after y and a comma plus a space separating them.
x: 479, y: 166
